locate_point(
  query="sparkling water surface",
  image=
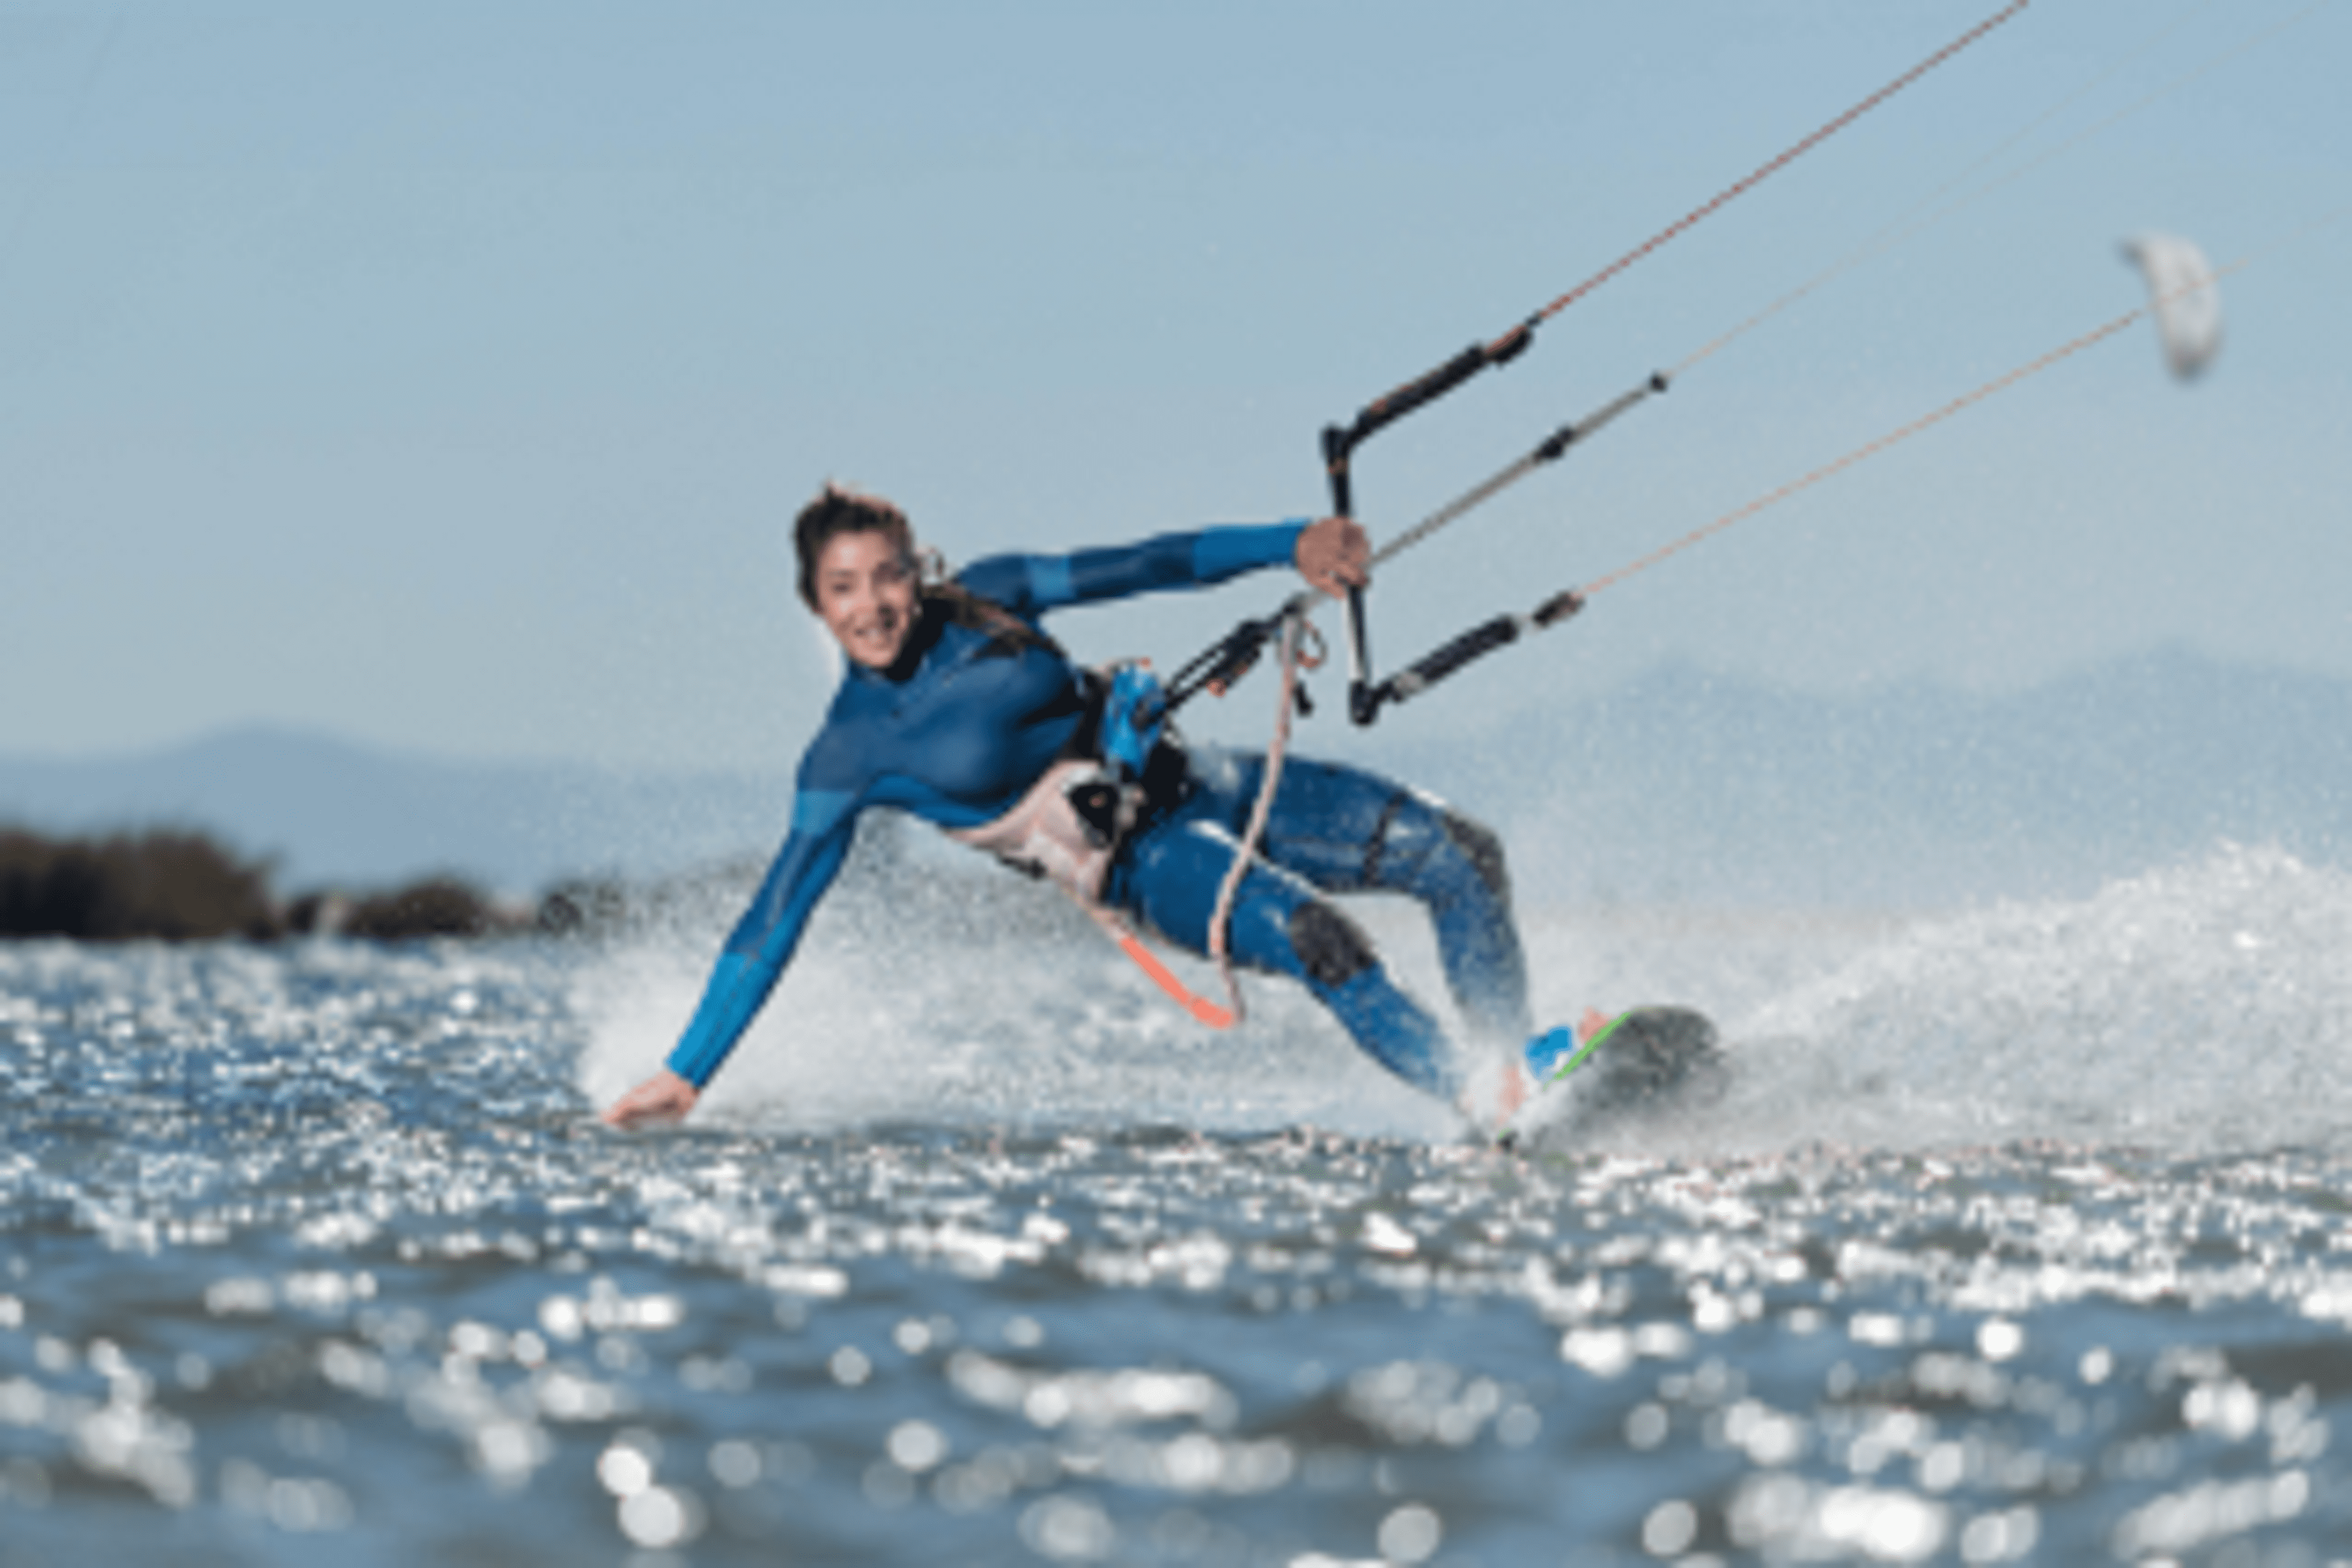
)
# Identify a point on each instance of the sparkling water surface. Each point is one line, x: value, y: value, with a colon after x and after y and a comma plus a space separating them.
x: 2018, y: 1236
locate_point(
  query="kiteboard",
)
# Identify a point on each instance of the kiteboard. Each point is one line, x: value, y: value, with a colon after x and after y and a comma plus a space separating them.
x: 1642, y: 1060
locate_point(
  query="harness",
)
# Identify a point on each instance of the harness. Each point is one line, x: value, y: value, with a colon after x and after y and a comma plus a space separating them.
x: 1064, y: 830
x: 1068, y: 826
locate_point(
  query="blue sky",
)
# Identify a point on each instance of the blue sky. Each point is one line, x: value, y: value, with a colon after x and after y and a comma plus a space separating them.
x: 446, y: 375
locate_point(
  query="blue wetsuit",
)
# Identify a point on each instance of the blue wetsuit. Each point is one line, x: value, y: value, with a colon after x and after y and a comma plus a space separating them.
x: 964, y: 724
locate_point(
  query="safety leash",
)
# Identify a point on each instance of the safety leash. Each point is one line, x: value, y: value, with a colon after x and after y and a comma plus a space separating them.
x: 1287, y: 656
x: 1292, y: 655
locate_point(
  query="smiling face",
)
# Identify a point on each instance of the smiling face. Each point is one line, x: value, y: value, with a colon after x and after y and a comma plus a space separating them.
x: 866, y: 595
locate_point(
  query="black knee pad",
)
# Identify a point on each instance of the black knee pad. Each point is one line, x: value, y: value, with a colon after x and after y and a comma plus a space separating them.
x: 1482, y: 849
x: 1328, y: 944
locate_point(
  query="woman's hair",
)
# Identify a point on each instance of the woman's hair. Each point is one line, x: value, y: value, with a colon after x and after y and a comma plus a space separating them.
x: 838, y: 509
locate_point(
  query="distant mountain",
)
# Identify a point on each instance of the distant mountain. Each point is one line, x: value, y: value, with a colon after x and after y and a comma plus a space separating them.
x: 1680, y: 785
x: 1695, y: 785
x: 334, y: 812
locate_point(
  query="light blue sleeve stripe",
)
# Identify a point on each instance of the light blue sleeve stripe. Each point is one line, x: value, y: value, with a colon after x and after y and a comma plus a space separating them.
x: 758, y: 951
x: 816, y: 811
x: 737, y: 987
x: 1049, y: 580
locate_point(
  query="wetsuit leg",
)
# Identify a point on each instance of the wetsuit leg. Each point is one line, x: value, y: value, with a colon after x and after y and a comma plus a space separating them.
x: 1349, y: 831
x: 1169, y: 876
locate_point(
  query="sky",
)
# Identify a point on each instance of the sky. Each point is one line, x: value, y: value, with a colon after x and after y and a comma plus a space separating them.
x: 445, y: 376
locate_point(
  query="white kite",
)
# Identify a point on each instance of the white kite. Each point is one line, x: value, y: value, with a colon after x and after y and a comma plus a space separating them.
x: 2186, y: 301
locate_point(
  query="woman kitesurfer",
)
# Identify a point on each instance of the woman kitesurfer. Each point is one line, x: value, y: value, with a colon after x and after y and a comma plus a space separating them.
x: 956, y: 707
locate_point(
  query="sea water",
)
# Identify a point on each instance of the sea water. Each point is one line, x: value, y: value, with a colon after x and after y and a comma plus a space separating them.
x: 2017, y: 1235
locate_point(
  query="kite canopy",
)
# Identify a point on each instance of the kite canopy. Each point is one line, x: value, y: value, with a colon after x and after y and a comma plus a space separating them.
x: 2186, y: 301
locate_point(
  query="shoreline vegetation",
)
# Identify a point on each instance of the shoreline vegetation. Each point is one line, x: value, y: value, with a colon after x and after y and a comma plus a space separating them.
x: 180, y: 884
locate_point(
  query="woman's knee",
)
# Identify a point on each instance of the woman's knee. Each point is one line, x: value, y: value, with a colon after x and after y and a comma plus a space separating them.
x: 1304, y: 937
x: 1427, y: 847
x: 1331, y: 948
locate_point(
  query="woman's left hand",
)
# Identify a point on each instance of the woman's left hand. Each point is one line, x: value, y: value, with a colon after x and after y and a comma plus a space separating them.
x: 1334, y: 555
x: 660, y: 1101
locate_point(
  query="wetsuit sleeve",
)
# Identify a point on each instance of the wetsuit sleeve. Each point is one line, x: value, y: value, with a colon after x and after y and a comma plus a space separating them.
x: 1029, y: 585
x: 823, y: 822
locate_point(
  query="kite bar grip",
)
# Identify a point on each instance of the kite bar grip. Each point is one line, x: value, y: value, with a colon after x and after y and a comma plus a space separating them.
x: 1338, y: 442
x: 1362, y: 703
x: 1474, y: 644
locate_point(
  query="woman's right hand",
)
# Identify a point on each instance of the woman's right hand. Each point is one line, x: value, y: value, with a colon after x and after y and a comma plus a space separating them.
x: 662, y: 1099
x: 1334, y: 554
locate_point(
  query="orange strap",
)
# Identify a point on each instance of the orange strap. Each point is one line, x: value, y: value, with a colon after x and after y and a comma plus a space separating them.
x: 1200, y: 1006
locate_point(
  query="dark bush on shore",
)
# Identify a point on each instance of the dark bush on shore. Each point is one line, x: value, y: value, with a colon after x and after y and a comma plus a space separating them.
x: 176, y: 885
x: 161, y: 882
x: 439, y: 906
